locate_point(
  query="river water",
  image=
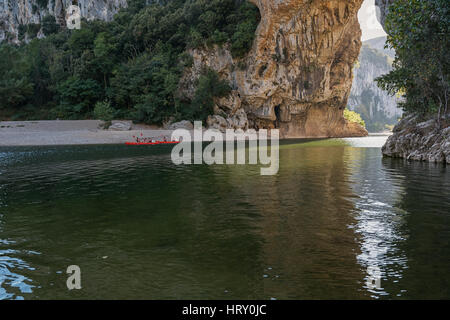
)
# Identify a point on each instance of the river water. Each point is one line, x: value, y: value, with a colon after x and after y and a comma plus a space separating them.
x: 140, y: 227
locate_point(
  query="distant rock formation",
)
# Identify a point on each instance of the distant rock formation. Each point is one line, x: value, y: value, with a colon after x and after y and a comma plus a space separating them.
x: 14, y: 13
x: 379, y: 44
x: 376, y: 106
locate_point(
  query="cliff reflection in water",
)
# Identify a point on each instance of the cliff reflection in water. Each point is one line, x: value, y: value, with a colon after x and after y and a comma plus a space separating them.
x: 141, y: 227
x: 308, y: 249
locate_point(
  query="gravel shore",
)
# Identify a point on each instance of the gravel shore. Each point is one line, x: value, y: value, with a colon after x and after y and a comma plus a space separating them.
x: 63, y: 132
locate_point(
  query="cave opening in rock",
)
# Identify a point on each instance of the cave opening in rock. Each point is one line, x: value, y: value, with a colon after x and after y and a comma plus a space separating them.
x: 278, y: 116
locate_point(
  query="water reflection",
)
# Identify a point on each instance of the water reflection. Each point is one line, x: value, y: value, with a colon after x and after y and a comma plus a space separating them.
x: 379, y: 223
x: 308, y: 246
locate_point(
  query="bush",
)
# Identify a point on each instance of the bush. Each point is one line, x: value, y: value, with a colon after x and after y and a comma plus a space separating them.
x: 33, y: 30
x: 104, y: 111
x: 352, y: 116
x: 49, y: 25
x: 242, y: 39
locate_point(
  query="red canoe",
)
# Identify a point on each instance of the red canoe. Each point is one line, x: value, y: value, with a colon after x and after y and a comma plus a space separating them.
x: 150, y: 143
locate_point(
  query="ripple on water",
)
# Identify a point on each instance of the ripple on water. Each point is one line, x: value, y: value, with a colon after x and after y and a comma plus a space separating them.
x: 13, y: 284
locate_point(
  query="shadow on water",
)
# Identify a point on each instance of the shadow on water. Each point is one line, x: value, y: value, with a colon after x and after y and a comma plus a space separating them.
x: 141, y: 227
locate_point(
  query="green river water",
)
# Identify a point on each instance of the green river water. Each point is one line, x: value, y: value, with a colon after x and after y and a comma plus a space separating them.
x: 140, y: 227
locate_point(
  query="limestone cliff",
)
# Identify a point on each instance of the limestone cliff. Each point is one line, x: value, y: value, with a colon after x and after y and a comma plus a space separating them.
x: 298, y: 74
x: 14, y: 13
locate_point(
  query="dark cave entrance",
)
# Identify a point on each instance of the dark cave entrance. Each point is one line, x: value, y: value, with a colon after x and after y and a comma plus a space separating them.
x: 278, y: 116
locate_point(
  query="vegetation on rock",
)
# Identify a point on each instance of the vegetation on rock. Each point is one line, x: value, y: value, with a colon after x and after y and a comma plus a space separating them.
x: 418, y: 31
x: 134, y: 62
x: 352, y: 116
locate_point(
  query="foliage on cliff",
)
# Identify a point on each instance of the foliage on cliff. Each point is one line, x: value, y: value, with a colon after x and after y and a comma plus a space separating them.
x: 353, y: 116
x: 418, y: 31
x: 134, y: 62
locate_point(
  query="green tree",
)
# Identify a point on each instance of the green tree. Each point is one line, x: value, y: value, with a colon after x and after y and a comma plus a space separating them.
x: 418, y: 31
x: 103, y: 52
x: 81, y: 40
x: 49, y: 25
x: 77, y: 96
x: 15, y: 86
x: 209, y: 86
x: 145, y: 86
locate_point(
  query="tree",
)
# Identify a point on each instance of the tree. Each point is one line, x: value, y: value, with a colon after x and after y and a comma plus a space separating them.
x: 209, y: 86
x: 15, y: 87
x: 103, y: 52
x: 418, y: 31
x: 146, y: 85
x: 77, y: 96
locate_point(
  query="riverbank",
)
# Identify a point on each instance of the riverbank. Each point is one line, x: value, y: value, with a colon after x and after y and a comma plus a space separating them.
x: 72, y: 132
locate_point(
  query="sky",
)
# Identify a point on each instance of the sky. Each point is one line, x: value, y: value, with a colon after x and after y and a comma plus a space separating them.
x: 370, y: 26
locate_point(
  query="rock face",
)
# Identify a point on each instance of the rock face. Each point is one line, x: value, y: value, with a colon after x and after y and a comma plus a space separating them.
x: 298, y: 74
x: 237, y: 121
x: 14, y: 13
x: 416, y: 139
